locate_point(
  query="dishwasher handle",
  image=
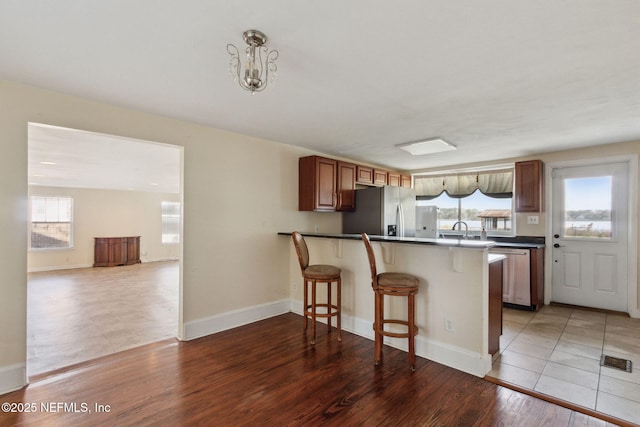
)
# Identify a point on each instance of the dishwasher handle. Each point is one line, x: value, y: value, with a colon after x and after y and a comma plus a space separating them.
x: 509, y: 252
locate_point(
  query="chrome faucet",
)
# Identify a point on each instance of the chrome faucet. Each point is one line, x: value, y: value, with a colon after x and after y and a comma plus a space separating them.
x: 466, y: 228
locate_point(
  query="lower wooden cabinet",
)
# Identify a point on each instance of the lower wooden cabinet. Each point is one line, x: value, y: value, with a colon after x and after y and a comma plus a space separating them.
x: 113, y: 251
x: 495, y: 306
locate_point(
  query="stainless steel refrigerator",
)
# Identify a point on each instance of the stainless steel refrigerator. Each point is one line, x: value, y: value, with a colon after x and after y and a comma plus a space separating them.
x: 383, y: 211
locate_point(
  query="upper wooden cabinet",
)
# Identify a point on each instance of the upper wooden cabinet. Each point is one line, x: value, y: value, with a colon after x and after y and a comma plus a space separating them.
x: 398, y: 180
x: 380, y: 177
x: 317, y: 184
x: 346, y: 186
x: 529, y: 188
x: 325, y: 184
x: 364, y: 175
x: 369, y: 176
x: 329, y: 185
x: 394, y: 179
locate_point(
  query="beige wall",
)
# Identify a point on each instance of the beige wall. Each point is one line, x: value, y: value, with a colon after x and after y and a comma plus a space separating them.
x: 106, y: 213
x: 238, y: 193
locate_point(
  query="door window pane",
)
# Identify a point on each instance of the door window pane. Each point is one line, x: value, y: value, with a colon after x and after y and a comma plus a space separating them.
x: 588, y: 208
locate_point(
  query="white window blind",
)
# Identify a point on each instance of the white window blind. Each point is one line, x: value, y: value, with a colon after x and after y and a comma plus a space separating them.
x: 51, y: 222
x: 170, y: 222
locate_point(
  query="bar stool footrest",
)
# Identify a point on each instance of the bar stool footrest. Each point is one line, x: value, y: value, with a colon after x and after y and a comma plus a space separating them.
x: 397, y: 334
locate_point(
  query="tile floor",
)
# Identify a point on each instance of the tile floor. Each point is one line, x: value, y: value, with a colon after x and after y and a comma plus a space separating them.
x: 557, y: 350
x: 80, y: 314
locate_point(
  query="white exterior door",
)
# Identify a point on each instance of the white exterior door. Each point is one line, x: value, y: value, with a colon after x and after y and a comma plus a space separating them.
x: 589, y: 235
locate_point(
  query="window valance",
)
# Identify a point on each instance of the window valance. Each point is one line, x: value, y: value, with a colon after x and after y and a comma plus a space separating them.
x: 492, y: 183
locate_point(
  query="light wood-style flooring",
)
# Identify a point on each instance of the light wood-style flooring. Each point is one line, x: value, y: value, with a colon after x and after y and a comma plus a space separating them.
x: 80, y: 314
x: 268, y: 374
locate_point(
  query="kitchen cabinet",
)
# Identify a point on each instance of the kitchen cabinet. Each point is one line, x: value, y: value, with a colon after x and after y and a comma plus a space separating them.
x: 380, y: 177
x: 495, y: 305
x: 528, y: 186
x: 399, y: 180
x: 536, y: 271
x: 317, y: 183
x: 393, y: 179
x: 113, y: 251
x: 329, y: 185
x: 326, y: 185
x: 364, y: 175
x: 369, y: 176
x: 346, y: 186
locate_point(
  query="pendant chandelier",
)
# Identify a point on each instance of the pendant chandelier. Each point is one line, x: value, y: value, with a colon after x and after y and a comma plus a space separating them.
x: 260, y: 63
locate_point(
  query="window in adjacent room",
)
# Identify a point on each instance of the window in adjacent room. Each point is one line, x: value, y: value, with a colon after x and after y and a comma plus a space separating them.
x: 170, y: 222
x: 51, y: 222
x: 482, y: 199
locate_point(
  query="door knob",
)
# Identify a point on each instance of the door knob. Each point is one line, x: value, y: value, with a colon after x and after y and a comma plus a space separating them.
x: 556, y: 245
x: 556, y: 235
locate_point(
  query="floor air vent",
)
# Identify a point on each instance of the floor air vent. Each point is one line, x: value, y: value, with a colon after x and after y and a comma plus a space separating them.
x: 615, y: 362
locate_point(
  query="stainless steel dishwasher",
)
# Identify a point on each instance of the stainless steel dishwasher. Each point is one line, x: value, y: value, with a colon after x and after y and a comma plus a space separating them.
x: 516, y: 277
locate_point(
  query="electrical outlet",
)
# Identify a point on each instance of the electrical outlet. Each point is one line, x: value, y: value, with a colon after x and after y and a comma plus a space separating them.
x: 448, y: 325
x: 532, y: 219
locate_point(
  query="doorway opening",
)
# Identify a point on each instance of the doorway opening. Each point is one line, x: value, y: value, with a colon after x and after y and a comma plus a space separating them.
x: 110, y: 186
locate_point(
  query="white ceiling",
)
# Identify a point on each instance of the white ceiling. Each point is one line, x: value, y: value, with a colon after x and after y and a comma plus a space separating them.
x: 62, y: 157
x: 496, y: 78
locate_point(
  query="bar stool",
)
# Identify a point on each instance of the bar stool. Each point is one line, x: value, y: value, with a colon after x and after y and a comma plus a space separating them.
x: 313, y: 274
x: 392, y: 284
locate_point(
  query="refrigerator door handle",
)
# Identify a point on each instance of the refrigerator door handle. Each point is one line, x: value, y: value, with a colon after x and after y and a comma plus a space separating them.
x: 400, y: 220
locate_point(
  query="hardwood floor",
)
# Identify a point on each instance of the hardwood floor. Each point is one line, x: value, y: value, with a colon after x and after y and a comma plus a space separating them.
x: 267, y: 374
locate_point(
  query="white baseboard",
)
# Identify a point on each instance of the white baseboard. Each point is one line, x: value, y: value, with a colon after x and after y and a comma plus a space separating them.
x: 160, y: 259
x: 71, y: 267
x: 233, y: 319
x: 13, y: 377
x: 57, y: 267
x: 446, y: 354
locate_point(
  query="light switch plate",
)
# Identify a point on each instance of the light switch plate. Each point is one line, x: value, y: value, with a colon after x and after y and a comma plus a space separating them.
x: 532, y: 219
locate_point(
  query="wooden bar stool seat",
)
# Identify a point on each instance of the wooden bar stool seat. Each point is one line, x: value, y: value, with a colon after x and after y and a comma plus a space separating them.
x: 392, y: 284
x: 313, y: 274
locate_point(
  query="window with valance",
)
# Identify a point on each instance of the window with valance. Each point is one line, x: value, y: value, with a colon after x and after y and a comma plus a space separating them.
x: 492, y: 183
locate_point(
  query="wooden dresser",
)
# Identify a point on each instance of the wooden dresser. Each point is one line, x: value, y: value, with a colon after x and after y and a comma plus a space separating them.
x: 112, y: 251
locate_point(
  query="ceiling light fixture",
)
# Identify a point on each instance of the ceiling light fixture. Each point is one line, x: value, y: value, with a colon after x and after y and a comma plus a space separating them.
x: 428, y: 146
x: 259, y: 64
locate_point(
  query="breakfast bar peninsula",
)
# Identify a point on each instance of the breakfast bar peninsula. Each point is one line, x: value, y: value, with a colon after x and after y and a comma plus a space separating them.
x: 452, y: 306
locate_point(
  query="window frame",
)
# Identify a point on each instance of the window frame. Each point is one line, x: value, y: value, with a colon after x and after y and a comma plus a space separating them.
x: 163, y: 223
x: 495, y: 233
x: 71, y: 223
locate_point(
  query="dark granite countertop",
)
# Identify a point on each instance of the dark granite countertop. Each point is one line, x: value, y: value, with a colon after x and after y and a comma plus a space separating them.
x: 460, y: 243
x: 501, y: 242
